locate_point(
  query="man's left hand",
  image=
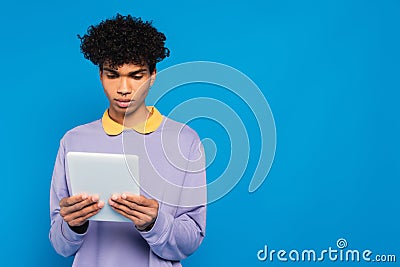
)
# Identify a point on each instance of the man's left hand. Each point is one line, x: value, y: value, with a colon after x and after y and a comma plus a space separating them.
x: 139, y: 209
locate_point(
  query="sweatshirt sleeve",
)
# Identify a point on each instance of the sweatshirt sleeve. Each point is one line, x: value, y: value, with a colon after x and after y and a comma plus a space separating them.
x: 65, y: 241
x: 175, y: 236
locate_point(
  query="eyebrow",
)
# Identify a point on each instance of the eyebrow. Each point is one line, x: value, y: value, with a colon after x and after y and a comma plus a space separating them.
x: 130, y: 73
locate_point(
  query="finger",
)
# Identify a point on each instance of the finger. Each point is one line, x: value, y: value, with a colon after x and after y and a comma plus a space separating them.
x: 72, y: 201
x: 81, y: 220
x: 151, y: 211
x: 82, y: 215
x: 129, y: 204
x: 84, y: 212
x: 77, y: 206
x: 134, y: 217
x: 130, y: 217
x: 137, y: 199
x: 69, y: 201
x: 147, y: 216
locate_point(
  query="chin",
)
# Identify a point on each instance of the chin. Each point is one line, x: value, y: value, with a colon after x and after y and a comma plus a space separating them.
x: 131, y: 109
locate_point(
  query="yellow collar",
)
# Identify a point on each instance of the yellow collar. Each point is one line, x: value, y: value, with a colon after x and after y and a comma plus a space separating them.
x: 154, y: 120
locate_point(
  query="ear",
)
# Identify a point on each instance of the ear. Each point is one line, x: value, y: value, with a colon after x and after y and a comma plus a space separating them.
x: 153, y: 77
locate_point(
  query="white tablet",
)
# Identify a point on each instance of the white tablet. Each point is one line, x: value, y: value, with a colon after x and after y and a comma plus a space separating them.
x: 103, y: 174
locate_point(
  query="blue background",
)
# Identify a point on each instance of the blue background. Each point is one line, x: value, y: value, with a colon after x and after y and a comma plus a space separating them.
x: 329, y: 70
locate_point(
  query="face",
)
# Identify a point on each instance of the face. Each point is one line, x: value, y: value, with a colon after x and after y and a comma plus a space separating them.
x: 126, y: 88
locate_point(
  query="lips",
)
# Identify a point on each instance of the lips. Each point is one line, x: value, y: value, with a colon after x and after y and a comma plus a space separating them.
x: 123, y: 103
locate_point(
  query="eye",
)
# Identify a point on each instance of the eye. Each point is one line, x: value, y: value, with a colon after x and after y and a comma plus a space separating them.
x: 137, y: 77
x: 112, y: 76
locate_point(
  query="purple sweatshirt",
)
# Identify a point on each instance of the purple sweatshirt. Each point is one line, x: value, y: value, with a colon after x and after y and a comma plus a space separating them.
x: 179, y: 228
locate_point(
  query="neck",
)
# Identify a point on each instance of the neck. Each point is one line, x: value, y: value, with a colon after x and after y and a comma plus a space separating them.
x: 131, y: 117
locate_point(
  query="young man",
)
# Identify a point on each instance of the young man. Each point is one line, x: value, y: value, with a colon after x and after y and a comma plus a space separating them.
x: 164, y: 228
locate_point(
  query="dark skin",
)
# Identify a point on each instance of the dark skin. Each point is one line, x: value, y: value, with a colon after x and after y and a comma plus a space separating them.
x: 132, y: 82
x: 76, y: 210
x: 140, y: 210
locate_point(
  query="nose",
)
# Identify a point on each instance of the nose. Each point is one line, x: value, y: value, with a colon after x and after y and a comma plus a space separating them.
x: 124, y: 88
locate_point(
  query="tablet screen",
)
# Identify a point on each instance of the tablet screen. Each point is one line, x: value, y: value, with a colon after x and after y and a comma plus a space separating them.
x: 103, y: 174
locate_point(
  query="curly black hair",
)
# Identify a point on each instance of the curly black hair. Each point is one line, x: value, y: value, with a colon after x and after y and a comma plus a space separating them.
x: 124, y: 40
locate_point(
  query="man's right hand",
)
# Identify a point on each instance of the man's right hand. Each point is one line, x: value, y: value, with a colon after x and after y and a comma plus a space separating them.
x: 77, y: 209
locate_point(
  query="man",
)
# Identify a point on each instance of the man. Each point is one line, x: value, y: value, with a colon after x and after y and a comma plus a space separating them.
x: 164, y: 227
